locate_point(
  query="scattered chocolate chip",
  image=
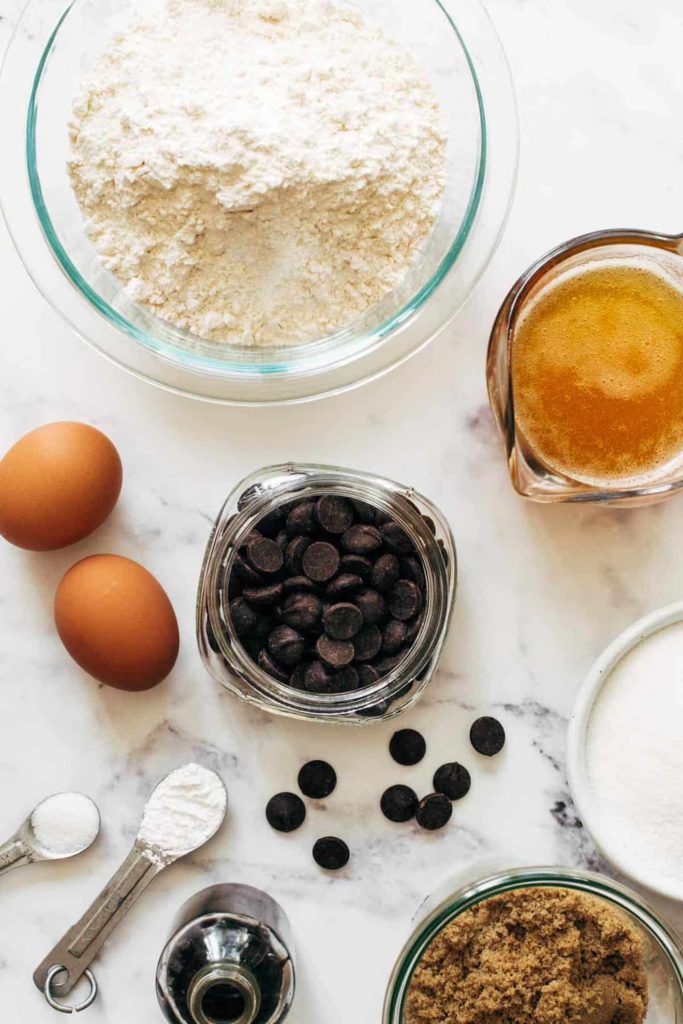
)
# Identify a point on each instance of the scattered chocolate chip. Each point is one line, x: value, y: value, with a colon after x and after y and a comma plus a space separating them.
x: 286, y: 646
x: 453, y: 780
x: 395, y: 538
x: 317, y: 780
x: 320, y: 561
x: 335, y: 514
x: 335, y: 653
x: 357, y: 565
x: 285, y: 812
x: 265, y: 555
x: 407, y: 746
x: 394, y: 636
x: 399, y: 803
x: 361, y: 539
x: 301, y: 519
x: 344, y: 585
x: 385, y: 573
x: 345, y: 680
x: 487, y: 736
x: 342, y: 621
x: 372, y: 605
x: 405, y: 600
x: 434, y: 811
x: 263, y: 596
x: 331, y: 853
x: 296, y: 549
x: 302, y: 610
x: 243, y: 617
x: 270, y: 666
x: 368, y: 643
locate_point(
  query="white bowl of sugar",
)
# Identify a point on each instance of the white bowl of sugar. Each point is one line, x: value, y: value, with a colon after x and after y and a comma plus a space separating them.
x: 625, y: 752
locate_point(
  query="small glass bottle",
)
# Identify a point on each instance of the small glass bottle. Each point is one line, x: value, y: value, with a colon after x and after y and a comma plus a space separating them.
x: 228, y: 960
x: 224, y: 655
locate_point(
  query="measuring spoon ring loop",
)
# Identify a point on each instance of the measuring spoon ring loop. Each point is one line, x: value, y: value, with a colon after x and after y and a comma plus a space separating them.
x: 62, y: 1007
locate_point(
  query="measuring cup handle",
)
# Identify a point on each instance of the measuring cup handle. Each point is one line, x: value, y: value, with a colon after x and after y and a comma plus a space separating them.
x: 13, y: 854
x: 77, y: 949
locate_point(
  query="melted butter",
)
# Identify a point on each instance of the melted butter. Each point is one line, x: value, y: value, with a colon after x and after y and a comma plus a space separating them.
x: 597, y: 372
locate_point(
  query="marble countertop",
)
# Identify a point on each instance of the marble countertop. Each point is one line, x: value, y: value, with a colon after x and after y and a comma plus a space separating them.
x: 542, y: 590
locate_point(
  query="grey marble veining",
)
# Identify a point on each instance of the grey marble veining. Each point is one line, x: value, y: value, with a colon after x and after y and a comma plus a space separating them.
x: 542, y: 590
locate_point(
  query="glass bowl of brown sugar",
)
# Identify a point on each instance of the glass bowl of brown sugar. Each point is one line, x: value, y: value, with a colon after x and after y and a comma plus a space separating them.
x: 537, y: 945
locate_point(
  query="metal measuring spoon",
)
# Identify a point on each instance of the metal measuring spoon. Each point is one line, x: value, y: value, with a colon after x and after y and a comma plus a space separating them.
x: 32, y: 842
x: 71, y: 957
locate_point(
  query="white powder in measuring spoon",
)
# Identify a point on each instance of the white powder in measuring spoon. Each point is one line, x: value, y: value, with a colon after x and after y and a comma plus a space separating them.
x: 65, y: 824
x: 259, y: 172
x: 184, y: 810
x: 634, y: 752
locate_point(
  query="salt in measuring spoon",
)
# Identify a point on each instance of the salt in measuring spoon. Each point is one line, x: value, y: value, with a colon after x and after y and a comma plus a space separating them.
x: 185, y: 810
x: 61, y: 826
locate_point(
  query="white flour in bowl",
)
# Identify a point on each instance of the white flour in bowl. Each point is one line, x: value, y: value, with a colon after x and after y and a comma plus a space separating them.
x: 259, y: 172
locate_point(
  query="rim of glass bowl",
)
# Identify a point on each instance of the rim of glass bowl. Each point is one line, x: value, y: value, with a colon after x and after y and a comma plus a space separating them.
x: 279, y: 383
x: 304, y: 359
x: 477, y: 891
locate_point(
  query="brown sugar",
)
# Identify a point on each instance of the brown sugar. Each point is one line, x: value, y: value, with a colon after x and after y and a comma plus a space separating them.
x: 532, y: 956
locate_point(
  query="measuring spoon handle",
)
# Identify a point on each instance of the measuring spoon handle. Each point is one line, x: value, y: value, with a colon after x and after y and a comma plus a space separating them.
x: 81, y: 944
x: 13, y: 854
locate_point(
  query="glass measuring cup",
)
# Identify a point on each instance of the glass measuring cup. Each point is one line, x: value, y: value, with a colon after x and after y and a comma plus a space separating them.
x: 531, y: 476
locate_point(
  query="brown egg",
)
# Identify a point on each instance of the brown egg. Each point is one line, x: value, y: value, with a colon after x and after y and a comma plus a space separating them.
x: 116, y: 621
x: 57, y: 484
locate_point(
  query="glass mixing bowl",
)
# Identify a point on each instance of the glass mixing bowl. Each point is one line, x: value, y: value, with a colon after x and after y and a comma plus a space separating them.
x: 54, y: 47
x: 663, y: 957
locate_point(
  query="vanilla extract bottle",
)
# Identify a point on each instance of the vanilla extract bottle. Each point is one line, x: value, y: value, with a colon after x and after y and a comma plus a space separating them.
x: 228, y: 960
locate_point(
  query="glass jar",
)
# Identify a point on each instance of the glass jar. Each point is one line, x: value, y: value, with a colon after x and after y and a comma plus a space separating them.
x: 228, y: 661
x: 663, y: 955
x: 531, y: 476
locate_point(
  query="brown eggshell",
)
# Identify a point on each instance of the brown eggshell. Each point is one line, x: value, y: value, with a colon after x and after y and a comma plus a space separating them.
x: 57, y: 484
x: 116, y: 621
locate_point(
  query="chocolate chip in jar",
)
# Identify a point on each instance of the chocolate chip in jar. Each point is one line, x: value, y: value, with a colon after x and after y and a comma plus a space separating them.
x: 328, y: 595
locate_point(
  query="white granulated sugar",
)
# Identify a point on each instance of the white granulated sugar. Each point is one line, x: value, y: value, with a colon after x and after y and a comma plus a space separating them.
x: 635, y: 755
x: 259, y: 172
x: 65, y: 824
x: 184, y: 810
